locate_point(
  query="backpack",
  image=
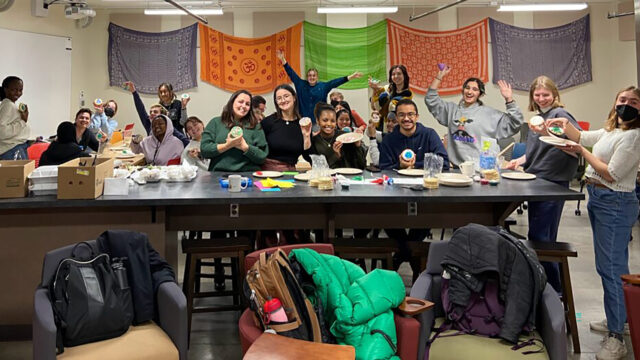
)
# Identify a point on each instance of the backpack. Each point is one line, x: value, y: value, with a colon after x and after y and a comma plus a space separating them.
x: 273, y: 277
x: 91, y: 301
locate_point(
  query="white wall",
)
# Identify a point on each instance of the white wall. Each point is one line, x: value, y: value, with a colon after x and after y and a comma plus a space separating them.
x: 614, y: 61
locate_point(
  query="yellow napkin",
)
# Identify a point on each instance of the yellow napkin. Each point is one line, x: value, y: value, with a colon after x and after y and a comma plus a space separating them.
x: 269, y: 183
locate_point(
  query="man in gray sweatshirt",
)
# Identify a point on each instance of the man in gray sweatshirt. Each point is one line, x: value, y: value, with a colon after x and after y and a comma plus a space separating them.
x: 469, y: 121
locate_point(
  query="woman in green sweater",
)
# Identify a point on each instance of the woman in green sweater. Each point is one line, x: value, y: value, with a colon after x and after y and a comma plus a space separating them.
x: 241, y: 153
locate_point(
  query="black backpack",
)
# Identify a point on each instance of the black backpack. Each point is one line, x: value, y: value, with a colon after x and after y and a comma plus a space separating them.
x: 91, y: 299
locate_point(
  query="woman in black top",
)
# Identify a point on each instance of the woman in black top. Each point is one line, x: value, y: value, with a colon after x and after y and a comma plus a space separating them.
x: 84, y: 137
x: 176, y: 109
x: 287, y: 140
x: 338, y: 155
x: 64, y: 148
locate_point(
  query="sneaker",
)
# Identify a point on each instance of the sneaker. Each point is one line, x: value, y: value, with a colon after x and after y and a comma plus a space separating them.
x: 601, y: 326
x: 612, y: 349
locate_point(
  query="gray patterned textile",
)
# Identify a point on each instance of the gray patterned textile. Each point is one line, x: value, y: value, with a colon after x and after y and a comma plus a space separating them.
x: 562, y: 53
x: 149, y: 59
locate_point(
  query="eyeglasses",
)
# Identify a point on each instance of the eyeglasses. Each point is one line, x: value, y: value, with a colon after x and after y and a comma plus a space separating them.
x: 283, y: 98
x: 410, y: 115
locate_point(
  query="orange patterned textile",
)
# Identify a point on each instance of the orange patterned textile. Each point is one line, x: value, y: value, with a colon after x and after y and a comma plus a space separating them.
x: 234, y: 63
x: 464, y: 50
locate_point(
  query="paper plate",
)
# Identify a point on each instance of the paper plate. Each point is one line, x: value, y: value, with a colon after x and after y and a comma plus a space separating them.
x: 552, y: 140
x: 411, y: 172
x: 516, y: 175
x: 266, y: 174
x: 454, y: 179
x: 349, y: 138
x: 348, y: 171
x: 303, y: 176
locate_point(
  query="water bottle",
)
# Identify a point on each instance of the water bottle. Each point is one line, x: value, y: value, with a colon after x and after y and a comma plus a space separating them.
x: 274, y: 311
x: 120, y: 272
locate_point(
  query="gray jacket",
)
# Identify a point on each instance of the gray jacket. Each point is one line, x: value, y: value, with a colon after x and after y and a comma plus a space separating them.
x: 469, y: 125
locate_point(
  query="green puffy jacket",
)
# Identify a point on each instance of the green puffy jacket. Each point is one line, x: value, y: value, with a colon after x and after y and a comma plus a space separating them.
x: 355, y: 303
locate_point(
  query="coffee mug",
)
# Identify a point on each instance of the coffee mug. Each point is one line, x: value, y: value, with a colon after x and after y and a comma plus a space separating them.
x: 235, y: 183
x: 468, y: 168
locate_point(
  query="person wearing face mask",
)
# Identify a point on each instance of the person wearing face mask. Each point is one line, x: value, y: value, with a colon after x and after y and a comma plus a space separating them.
x: 191, y: 154
x: 338, y: 155
x: 14, y: 130
x: 469, y: 121
x: 155, y: 110
x: 64, y: 148
x: 242, y: 153
x: 549, y: 163
x: 161, y: 146
x: 102, y: 119
x: 612, y: 206
x: 385, y: 98
x: 84, y: 137
x: 312, y: 91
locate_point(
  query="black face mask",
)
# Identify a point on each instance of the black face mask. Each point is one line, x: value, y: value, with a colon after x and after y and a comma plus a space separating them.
x: 627, y: 112
x: 109, y: 111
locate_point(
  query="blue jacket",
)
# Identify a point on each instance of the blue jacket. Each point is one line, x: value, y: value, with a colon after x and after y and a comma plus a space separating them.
x: 424, y: 140
x: 309, y: 96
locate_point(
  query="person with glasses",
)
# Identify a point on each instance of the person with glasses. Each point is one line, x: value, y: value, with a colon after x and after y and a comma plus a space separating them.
x: 312, y: 91
x: 470, y: 121
x: 409, y: 134
x: 161, y: 146
x: 286, y: 138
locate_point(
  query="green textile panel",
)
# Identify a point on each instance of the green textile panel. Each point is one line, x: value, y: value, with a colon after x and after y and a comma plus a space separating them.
x: 340, y: 52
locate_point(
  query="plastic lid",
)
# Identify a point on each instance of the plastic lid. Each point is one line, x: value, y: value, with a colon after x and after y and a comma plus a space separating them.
x: 271, y: 305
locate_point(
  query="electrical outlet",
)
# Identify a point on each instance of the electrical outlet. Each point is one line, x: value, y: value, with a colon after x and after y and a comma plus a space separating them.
x: 412, y: 208
x: 234, y: 210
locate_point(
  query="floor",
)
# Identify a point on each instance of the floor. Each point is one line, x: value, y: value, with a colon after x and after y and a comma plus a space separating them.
x: 215, y: 336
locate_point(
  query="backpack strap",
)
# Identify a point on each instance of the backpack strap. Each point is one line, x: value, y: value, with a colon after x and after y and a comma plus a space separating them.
x: 531, y: 341
x: 393, y: 346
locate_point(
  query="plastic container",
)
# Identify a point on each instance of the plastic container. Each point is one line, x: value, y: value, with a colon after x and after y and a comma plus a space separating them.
x: 44, y: 189
x: 44, y: 175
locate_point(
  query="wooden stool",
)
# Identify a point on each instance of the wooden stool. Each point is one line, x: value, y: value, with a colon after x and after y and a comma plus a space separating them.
x: 196, y: 250
x: 375, y: 249
x: 560, y: 252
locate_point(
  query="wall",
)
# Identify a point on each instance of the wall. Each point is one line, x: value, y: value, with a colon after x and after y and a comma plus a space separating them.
x: 589, y: 102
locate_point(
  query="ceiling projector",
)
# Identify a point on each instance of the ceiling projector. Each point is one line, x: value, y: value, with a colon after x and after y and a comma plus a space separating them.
x: 78, y: 12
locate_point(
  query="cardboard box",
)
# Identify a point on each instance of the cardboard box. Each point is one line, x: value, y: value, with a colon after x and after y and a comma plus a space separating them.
x: 77, y: 179
x: 13, y: 177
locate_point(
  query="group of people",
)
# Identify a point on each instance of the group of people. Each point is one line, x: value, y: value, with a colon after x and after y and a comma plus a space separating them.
x: 277, y: 141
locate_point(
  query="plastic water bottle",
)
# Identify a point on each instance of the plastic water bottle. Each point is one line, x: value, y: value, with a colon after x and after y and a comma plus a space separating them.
x: 117, y: 264
x: 274, y: 312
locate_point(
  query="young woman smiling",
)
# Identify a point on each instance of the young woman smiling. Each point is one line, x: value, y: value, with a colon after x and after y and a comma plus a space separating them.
x: 469, y: 121
x: 338, y: 155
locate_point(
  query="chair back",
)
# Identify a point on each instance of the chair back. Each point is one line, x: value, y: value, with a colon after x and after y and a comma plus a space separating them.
x: 53, y: 258
x: 437, y: 251
x: 34, y: 152
x: 116, y: 137
x: 584, y: 125
x: 175, y: 161
x: 253, y: 257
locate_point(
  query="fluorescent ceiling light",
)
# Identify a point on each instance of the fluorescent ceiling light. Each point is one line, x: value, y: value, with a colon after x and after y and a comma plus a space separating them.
x: 543, y: 7
x: 180, y: 12
x: 357, y: 10
x: 186, y: 3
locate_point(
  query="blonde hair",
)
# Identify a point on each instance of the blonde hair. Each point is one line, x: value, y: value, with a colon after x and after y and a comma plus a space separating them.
x: 336, y: 93
x: 612, y: 121
x: 543, y: 81
x: 163, y: 110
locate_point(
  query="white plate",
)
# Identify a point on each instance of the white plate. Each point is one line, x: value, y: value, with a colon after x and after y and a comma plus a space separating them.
x: 454, y: 179
x: 516, y: 175
x: 349, y: 138
x: 348, y: 171
x: 125, y: 156
x: 411, y: 172
x: 266, y: 174
x: 303, y: 176
x: 552, y: 140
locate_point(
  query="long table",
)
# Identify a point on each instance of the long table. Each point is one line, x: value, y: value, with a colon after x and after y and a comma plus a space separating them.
x: 29, y: 227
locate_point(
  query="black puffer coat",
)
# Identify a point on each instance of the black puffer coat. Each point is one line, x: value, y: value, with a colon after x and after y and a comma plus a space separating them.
x: 476, y: 249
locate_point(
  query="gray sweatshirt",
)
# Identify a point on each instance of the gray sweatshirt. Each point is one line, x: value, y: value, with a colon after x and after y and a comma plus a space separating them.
x: 469, y: 126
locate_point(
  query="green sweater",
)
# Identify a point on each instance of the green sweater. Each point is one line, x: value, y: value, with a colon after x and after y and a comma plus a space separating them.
x: 233, y: 159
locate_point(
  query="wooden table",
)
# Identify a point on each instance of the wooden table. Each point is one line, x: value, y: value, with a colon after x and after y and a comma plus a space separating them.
x: 114, y: 150
x: 276, y: 347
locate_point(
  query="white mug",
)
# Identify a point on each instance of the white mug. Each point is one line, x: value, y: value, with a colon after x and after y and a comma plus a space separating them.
x: 468, y: 168
x: 235, y: 183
